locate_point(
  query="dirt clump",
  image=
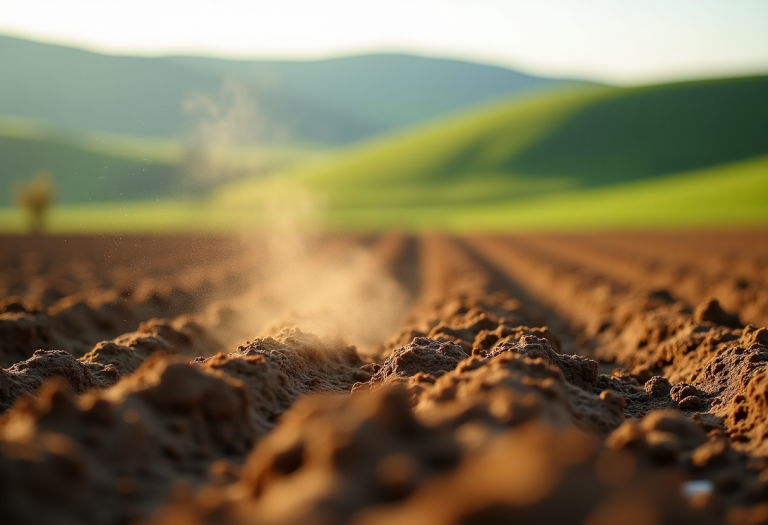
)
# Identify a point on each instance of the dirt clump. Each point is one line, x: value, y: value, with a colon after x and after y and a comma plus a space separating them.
x: 129, y: 351
x: 469, y: 321
x: 711, y: 311
x: 74, y: 324
x: 658, y: 386
x: 422, y: 355
x: 271, y: 391
x: 311, y: 364
x: 278, y: 371
x: 512, y: 389
x: 124, y: 447
x: 746, y: 415
x: 666, y: 439
x: 544, y: 487
x: 26, y: 377
x: 376, y: 452
x: 729, y: 374
x: 577, y: 370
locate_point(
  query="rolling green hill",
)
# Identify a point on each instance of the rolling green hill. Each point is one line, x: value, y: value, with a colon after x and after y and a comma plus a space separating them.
x: 552, y: 142
x: 319, y: 102
x: 571, y: 158
x: 730, y: 195
x: 651, y: 131
x: 82, y: 170
x: 686, y: 154
x: 103, y: 167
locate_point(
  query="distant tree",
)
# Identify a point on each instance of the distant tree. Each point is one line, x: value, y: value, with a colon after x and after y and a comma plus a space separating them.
x: 37, y: 195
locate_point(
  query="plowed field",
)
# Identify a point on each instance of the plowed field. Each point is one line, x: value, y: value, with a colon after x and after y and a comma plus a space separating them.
x: 582, y: 378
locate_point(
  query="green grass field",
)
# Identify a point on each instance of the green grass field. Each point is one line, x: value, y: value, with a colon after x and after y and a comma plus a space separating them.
x: 549, y: 143
x: 98, y: 167
x: 734, y: 194
x: 688, y: 155
x: 84, y: 168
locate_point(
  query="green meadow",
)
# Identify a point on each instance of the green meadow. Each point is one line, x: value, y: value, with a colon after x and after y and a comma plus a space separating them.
x: 103, y: 167
x: 690, y: 155
x: 734, y: 194
x: 683, y: 154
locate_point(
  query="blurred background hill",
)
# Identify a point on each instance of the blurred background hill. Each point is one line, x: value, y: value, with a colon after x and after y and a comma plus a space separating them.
x: 330, y: 101
x: 560, y: 148
x: 375, y: 141
x: 116, y: 128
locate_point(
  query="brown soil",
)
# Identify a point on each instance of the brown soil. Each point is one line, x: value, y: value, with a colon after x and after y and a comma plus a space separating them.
x: 587, y: 379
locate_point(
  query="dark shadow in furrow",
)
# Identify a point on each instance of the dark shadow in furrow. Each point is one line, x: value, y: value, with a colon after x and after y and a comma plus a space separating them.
x: 501, y: 281
x: 406, y: 268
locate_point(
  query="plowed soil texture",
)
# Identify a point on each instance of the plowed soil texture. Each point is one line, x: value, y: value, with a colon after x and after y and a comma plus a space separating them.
x: 329, y: 379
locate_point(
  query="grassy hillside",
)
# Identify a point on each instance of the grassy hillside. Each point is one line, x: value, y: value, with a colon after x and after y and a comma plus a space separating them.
x: 326, y: 101
x: 449, y: 161
x: 103, y: 167
x: 688, y: 154
x: 553, y: 142
x: 83, y: 170
x: 734, y: 194
x: 646, y: 132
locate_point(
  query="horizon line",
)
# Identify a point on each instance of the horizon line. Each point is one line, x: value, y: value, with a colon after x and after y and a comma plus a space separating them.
x: 322, y: 57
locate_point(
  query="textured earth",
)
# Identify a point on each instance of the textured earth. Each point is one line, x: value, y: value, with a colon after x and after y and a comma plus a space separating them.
x: 588, y: 379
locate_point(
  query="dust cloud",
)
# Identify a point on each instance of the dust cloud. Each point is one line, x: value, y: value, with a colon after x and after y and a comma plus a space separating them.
x: 220, y: 130
x: 337, y: 287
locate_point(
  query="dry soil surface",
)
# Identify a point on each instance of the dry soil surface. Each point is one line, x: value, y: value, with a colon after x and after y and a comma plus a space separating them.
x: 589, y: 379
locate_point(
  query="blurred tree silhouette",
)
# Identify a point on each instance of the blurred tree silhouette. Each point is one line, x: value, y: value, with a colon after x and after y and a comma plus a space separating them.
x: 36, y: 196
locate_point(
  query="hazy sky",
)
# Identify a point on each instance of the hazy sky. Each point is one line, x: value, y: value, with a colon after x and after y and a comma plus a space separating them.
x: 620, y: 41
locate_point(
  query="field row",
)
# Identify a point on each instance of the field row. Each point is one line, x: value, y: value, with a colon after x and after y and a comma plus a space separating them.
x: 379, y: 379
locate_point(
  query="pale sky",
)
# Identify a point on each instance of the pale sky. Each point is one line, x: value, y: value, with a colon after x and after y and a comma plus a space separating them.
x: 619, y: 41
